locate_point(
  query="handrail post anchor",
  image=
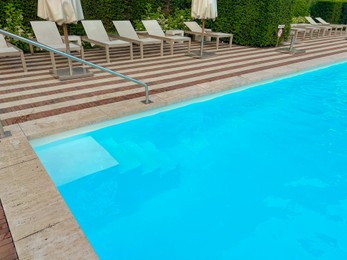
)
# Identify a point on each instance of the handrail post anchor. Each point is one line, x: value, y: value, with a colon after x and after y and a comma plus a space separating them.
x: 3, y: 133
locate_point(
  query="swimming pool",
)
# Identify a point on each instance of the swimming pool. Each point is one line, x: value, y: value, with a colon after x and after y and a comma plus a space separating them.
x: 257, y: 174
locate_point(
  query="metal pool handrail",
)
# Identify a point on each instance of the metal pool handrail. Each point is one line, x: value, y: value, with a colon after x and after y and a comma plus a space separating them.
x: 45, y: 47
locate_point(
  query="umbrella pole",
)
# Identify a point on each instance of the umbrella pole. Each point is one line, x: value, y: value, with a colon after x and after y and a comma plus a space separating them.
x: 202, y: 38
x: 66, y: 39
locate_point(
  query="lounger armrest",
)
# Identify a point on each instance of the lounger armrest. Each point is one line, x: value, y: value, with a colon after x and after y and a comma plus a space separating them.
x: 193, y: 33
x: 129, y: 40
x: 15, y: 47
x: 163, y: 38
x: 113, y: 37
x: 86, y: 39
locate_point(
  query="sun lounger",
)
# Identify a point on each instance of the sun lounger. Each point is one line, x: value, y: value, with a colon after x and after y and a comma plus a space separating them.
x: 298, y: 31
x: 324, y: 29
x: 310, y: 30
x: 154, y: 31
x: 196, y: 30
x: 96, y: 34
x: 337, y: 27
x: 127, y: 33
x: 7, y: 49
x: 47, y: 33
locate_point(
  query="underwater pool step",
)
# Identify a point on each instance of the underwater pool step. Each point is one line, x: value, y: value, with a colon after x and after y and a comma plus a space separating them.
x: 69, y: 161
x: 131, y: 155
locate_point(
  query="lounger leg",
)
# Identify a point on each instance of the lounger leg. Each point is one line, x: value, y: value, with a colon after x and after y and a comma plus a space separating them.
x: 162, y: 48
x: 107, y: 54
x: 171, y: 47
x: 296, y: 33
x: 141, y: 50
x: 189, y: 44
x: 23, y: 62
x: 53, y: 60
x: 82, y: 53
x: 31, y: 48
x: 304, y: 35
x: 131, y: 52
x: 231, y: 41
x: 217, y: 43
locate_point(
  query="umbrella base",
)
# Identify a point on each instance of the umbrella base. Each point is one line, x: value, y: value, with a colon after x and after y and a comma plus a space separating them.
x: 291, y: 51
x: 205, y: 55
x: 5, y: 134
x: 78, y: 72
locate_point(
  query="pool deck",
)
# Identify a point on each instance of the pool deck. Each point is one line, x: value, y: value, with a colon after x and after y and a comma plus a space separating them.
x: 7, y: 248
x: 34, y: 104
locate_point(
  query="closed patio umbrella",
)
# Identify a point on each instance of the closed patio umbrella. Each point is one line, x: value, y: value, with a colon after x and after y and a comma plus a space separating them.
x: 62, y: 12
x: 204, y: 9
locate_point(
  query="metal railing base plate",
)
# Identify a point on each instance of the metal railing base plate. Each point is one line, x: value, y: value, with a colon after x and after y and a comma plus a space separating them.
x: 5, y: 134
x: 78, y: 72
x: 146, y: 102
x: 291, y: 51
x: 205, y: 55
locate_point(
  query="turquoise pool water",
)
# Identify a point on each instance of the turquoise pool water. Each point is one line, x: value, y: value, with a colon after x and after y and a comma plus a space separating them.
x: 257, y: 174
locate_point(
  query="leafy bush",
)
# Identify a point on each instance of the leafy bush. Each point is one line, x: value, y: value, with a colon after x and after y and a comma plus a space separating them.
x: 178, y: 17
x: 13, y: 22
x: 299, y: 19
x: 173, y: 21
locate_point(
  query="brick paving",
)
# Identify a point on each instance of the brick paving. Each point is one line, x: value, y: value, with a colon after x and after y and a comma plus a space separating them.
x: 25, y: 97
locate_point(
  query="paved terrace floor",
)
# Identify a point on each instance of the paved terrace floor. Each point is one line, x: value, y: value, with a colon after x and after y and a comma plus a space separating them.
x: 35, y: 104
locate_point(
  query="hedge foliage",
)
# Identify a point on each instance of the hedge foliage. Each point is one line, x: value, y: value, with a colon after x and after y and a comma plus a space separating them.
x: 333, y: 11
x: 301, y: 8
x: 253, y: 22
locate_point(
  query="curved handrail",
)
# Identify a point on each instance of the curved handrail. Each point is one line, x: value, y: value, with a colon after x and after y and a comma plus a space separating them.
x: 43, y: 46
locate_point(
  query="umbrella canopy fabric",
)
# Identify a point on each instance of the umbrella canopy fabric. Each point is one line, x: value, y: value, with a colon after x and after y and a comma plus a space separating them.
x: 60, y: 11
x: 204, y: 9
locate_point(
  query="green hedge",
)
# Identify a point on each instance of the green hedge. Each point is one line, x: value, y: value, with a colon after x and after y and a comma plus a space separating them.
x: 253, y: 22
x: 329, y: 10
x: 343, y: 19
x: 106, y: 10
x: 301, y: 8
